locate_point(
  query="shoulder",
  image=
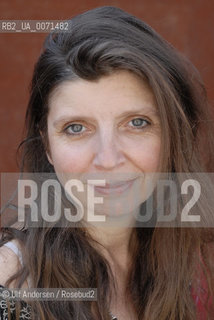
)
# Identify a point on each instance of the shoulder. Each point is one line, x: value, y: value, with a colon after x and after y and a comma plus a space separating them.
x: 9, y: 263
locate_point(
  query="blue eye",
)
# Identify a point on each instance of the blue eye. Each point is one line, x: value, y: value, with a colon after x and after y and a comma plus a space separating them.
x: 139, y: 123
x: 75, y: 129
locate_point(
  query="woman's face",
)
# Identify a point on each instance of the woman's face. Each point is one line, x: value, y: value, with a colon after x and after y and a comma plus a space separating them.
x: 108, y: 128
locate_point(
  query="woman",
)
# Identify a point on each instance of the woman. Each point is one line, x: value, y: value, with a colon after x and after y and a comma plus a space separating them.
x: 112, y: 99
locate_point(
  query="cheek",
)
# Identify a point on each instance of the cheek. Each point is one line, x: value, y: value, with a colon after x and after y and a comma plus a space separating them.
x: 67, y: 159
x: 147, y: 156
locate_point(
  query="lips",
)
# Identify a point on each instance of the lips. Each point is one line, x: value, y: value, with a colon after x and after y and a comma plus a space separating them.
x: 114, y: 188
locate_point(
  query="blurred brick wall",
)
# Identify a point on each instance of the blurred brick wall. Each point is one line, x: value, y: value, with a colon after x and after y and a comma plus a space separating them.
x: 187, y: 24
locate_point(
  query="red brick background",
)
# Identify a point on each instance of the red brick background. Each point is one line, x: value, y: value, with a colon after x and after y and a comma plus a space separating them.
x: 187, y: 24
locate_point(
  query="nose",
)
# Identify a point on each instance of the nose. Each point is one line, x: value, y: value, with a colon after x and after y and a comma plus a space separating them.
x: 109, y: 154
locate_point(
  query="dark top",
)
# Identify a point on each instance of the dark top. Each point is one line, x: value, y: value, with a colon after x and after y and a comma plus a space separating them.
x: 25, y: 309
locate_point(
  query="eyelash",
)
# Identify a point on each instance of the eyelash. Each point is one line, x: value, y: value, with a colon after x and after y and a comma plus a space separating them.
x: 146, y: 122
x: 143, y: 120
x: 70, y: 126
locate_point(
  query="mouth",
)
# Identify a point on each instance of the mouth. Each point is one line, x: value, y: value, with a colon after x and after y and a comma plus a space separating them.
x: 114, y: 188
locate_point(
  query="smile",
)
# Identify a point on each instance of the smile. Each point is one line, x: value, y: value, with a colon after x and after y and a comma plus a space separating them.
x: 114, y: 188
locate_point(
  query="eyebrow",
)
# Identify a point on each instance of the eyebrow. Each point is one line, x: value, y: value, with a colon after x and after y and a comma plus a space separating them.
x: 68, y: 118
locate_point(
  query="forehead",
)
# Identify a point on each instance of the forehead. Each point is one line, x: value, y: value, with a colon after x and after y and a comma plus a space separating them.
x: 119, y: 91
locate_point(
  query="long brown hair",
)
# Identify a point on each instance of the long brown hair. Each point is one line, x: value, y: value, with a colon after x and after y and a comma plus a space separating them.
x: 164, y: 261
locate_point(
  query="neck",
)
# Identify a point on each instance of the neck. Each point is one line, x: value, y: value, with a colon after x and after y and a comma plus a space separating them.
x: 112, y: 238
x: 114, y: 244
